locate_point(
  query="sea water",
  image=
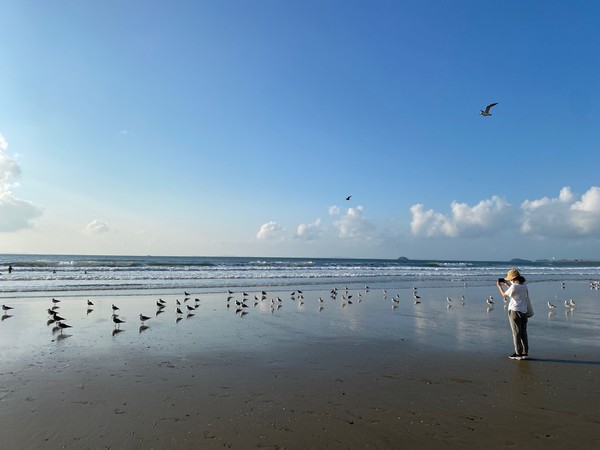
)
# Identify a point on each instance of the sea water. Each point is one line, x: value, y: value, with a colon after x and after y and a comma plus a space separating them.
x: 71, y: 273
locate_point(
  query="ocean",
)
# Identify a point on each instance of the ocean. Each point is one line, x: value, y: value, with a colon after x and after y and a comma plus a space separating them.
x: 72, y: 273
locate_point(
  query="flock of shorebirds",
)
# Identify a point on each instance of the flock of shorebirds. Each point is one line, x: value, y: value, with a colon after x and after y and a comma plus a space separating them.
x: 59, y: 325
x: 160, y: 305
x: 242, y: 303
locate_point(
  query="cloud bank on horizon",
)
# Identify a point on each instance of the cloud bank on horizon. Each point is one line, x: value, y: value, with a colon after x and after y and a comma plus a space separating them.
x: 566, y: 216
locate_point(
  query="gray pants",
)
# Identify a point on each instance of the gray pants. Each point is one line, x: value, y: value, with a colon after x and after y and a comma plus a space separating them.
x: 518, y: 325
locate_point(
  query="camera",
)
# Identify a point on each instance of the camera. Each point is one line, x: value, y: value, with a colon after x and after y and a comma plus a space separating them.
x: 501, y: 280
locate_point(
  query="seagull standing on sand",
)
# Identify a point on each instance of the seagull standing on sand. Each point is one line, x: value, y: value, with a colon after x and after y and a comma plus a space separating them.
x: 62, y: 326
x: 117, y: 321
x: 6, y: 308
x: 143, y: 318
x: 569, y: 304
x: 486, y: 112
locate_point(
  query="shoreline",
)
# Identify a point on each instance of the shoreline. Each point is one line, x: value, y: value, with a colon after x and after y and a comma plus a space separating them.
x: 362, y: 375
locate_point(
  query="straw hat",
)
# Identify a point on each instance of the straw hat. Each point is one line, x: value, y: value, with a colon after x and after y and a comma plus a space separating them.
x: 512, y: 274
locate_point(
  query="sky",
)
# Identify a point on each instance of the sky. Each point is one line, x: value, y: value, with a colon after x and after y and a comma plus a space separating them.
x: 239, y: 128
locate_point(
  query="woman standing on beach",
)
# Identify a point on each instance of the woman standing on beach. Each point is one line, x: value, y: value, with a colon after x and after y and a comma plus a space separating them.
x: 517, y: 310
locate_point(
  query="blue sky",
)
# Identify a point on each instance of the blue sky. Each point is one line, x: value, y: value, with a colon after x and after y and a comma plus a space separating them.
x: 240, y: 127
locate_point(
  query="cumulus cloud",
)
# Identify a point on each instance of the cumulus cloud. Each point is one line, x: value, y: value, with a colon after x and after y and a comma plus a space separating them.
x: 310, y: 231
x: 586, y: 212
x: 15, y: 214
x: 96, y: 227
x: 564, y: 216
x: 334, y: 210
x: 9, y: 170
x: 487, y: 217
x: 270, y: 231
x: 353, y: 225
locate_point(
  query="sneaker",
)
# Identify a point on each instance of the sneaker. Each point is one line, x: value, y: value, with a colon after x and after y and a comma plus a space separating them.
x: 524, y: 356
x: 515, y: 356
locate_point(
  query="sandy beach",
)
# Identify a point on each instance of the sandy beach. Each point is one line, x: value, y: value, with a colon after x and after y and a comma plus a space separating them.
x: 360, y: 375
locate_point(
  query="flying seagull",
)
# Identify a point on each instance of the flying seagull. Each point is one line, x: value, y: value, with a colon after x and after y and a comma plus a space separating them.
x: 349, y: 197
x: 487, y: 110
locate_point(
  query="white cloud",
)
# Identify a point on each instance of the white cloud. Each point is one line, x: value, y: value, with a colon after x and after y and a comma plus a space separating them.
x: 334, y: 210
x: 96, y: 227
x: 270, y: 231
x: 487, y: 217
x: 15, y: 214
x: 586, y: 213
x: 310, y: 231
x: 9, y: 171
x: 353, y: 225
x: 564, y: 216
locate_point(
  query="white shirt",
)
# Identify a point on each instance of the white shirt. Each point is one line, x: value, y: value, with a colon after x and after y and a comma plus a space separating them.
x: 518, y: 297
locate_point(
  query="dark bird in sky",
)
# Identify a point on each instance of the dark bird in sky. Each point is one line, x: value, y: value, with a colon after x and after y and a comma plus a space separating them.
x: 486, y: 112
x: 349, y: 197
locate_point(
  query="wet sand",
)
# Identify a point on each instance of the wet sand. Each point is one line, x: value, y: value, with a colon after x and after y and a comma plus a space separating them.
x: 362, y: 375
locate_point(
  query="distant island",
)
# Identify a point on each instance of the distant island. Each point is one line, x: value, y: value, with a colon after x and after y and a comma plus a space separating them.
x: 557, y: 261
